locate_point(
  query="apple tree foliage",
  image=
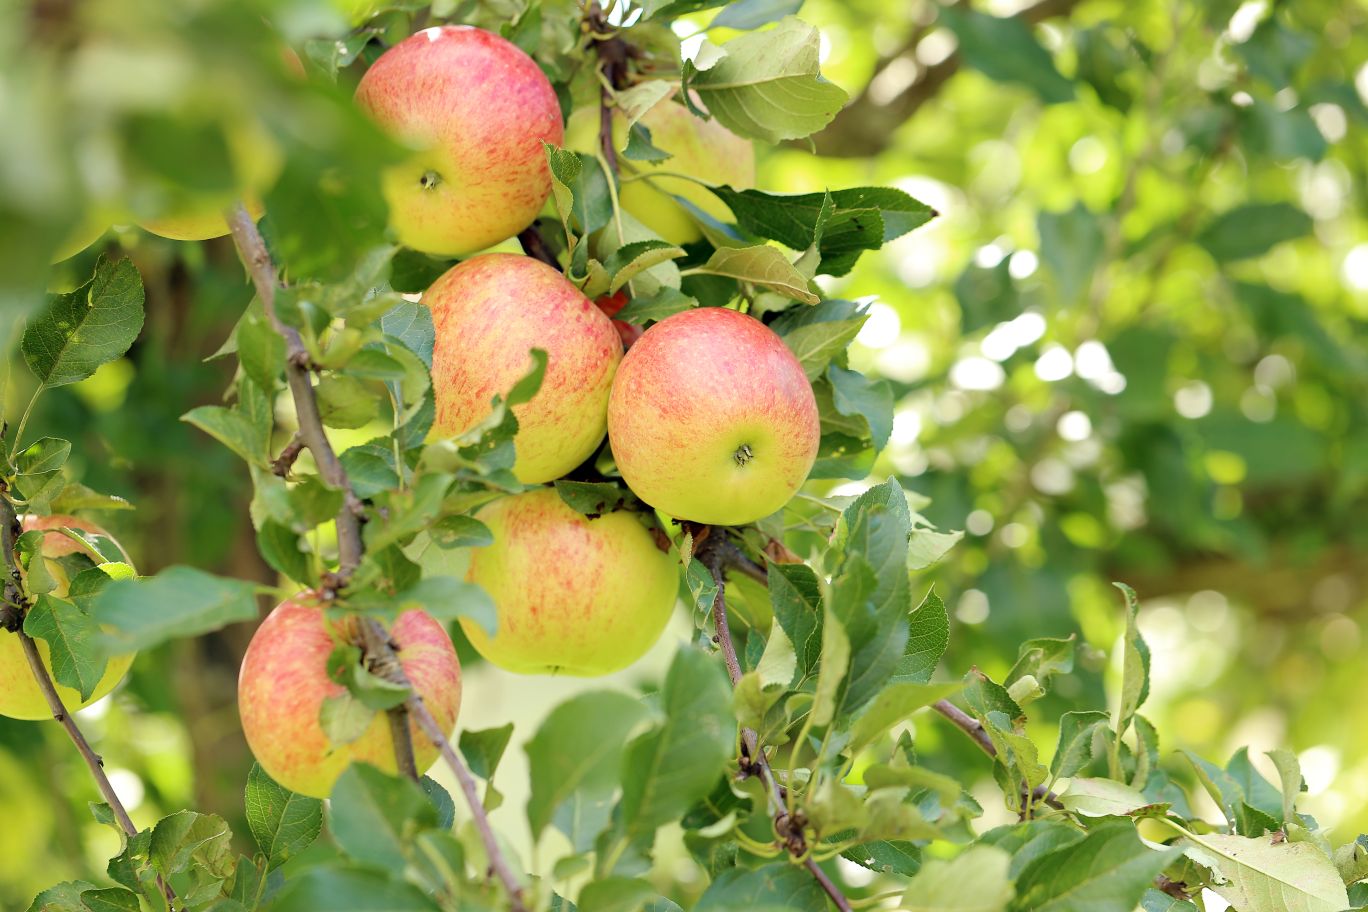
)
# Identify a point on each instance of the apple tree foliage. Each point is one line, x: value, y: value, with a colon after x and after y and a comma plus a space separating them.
x: 777, y: 785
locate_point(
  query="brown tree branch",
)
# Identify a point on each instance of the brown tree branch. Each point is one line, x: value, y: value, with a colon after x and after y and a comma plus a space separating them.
x: 380, y: 653
x: 613, y: 53
x: 865, y: 127
x: 282, y: 464
x: 11, y: 528
x: 717, y: 552
x: 975, y: 730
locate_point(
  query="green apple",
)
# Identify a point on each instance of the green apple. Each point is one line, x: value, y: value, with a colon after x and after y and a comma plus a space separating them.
x: 699, y: 148
x: 489, y: 313
x: 184, y: 215
x: 20, y: 697
x: 574, y: 595
x: 90, y: 229
x: 476, y: 109
x: 284, y: 683
x: 712, y: 419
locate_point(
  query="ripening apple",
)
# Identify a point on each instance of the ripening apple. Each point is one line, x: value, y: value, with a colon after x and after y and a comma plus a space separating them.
x: 284, y: 681
x: 20, y: 697
x: 476, y: 109
x: 574, y: 595
x: 489, y: 313
x: 699, y: 148
x: 712, y: 419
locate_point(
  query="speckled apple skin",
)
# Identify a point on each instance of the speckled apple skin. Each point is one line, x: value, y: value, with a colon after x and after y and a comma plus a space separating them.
x: 478, y: 110
x: 702, y: 148
x: 489, y: 313
x: 575, y: 596
x: 695, y: 389
x: 284, y: 681
x: 20, y: 697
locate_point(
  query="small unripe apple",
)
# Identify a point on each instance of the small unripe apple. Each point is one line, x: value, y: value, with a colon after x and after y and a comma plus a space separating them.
x: 477, y: 110
x: 284, y: 681
x: 184, y: 215
x: 712, y: 419
x: 610, y: 305
x: 575, y: 596
x: 699, y: 148
x: 489, y: 313
x: 20, y: 697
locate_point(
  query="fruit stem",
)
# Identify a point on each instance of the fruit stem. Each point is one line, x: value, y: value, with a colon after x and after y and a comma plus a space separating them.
x: 9, y: 522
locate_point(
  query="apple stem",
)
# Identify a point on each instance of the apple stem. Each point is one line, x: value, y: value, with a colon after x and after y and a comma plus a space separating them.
x: 717, y: 552
x: 376, y: 643
x: 10, y: 527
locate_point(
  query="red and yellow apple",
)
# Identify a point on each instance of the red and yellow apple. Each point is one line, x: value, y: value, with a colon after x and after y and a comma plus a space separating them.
x: 284, y: 681
x: 489, y: 313
x: 476, y: 109
x: 20, y: 697
x: 699, y: 148
x: 574, y: 595
x: 712, y: 419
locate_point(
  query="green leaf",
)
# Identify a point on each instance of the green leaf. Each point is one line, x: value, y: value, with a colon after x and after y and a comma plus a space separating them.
x: 745, y: 15
x: 1029, y: 841
x: 615, y: 894
x: 460, y: 531
x: 975, y: 880
x: 1261, y: 875
x: 1102, y: 798
x: 47, y: 454
x: 93, y: 325
x: 578, y: 749
x: 1004, y: 50
x: 832, y: 669
x: 666, y: 770
x: 63, y: 897
x: 664, y: 303
x: 893, y: 705
x: 768, y: 85
x: 1107, y: 871
x: 594, y: 498
x: 411, y: 324
x: 283, y: 823
x: 859, y: 219
x: 484, y: 749
x: 871, y: 400
x: 280, y: 547
x: 113, y: 899
x: 630, y: 260
x: 198, y: 846
x: 178, y: 602
x: 762, y: 265
x: 1289, y: 773
x: 1155, y: 901
x: 1253, y: 229
x: 928, y: 636
x: 1074, y: 751
x: 372, y: 815
x: 447, y: 599
x: 1134, y: 666
x: 235, y: 430
x: 344, y: 718
x: 261, y: 350
x: 771, y: 888
x: 78, y: 654
x: 815, y: 335
x: 796, y: 599
x: 345, y: 402
x: 340, y: 888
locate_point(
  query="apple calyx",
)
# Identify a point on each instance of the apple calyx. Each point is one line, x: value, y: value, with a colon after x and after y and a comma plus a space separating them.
x: 743, y: 454
x: 429, y: 180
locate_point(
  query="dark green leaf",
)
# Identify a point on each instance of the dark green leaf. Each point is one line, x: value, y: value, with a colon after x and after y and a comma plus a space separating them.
x: 283, y: 823
x: 78, y: 654
x: 372, y: 815
x: 484, y: 749
x: 347, y: 889
x: 78, y: 331
x: 1107, y: 871
x: 1252, y: 229
x: 1004, y: 50
x: 178, y: 602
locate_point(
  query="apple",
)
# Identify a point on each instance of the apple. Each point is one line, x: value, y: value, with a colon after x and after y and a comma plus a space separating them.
x: 477, y: 110
x: 284, y: 681
x: 699, y: 148
x: 90, y: 229
x: 711, y: 418
x: 489, y: 313
x: 574, y: 595
x: 20, y: 697
x: 610, y: 305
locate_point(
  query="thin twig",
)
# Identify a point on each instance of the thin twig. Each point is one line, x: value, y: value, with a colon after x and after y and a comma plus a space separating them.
x: 613, y: 53
x: 9, y: 521
x: 282, y: 464
x: 975, y: 730
x: 380, y: 652
x: 717, y: 552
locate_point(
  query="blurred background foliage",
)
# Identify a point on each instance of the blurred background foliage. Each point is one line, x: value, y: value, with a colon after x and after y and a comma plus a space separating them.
x: 1131, y: 348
